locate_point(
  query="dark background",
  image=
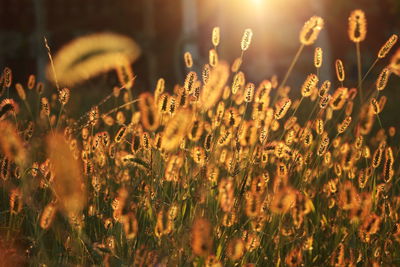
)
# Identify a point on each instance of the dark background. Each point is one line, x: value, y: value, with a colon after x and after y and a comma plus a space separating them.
x: 165, y: 29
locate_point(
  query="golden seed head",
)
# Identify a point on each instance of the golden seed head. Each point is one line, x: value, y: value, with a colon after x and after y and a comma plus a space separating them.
x: 319, y: 126
x: 176, y: 129
x: 340, y: 74
x: 310, y: 31
x: 309, y: 84
x: 357, y: 26
x: 20, y: 91
x: 215, y: 36
x: 45, y: 106
x: 31, y: 81
x: 212, y: 91
x: 249, y: 92
x: 163, y: 103
x: 40, y: 88
x: 382, y: 102
x: 5, y: 165
x: 190, y: 80
x: 318, y: 57
x: 213, y: 57
x: 201, y: 237
x: 339, y: 98
x: 326, y: 85
x: 385, y: 49
x: 349, y: 108
x: 376, y: 158
x: 63, y: 96
x: 172, y: 105
x: 246, y: 39
x: 79, y: 60
x: 344, y: 124
x: 236, y: 64
x: 120, y: 135
x: 160, y: 86
x: 188, y: 59
x: 383, y: 79
x: 7, y: 77
x: 47, y: 216
x: 236, y: 249
x: 238, y: 81
x: 15, y: 201
x: 148, y: 112
x: 282, y: 107
x: 294, y: 257
x: 206, y: 73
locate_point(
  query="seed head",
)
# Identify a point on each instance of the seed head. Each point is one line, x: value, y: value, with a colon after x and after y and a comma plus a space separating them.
x: 357, y: 26
x: 246, y: 39
x: 310, y: 31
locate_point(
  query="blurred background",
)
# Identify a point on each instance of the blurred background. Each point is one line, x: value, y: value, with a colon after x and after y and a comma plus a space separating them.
x: 165, y: 29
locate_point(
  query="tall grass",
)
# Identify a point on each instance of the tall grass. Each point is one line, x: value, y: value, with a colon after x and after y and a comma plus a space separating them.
x: 217, y: 171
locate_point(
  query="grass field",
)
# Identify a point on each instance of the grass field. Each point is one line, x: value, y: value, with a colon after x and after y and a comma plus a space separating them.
x: 216, y: 171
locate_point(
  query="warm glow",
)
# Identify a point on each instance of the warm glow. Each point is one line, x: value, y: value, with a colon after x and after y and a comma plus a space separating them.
x: 199, y: 133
